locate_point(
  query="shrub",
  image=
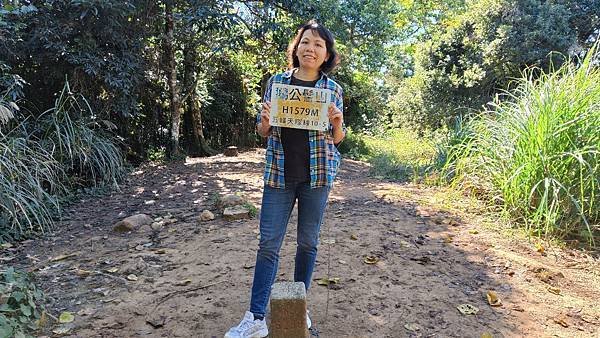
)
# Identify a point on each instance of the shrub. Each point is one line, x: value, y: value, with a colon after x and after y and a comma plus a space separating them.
x: 398, y: 154
x: 21, y: 304
x: 537, y: 153
x: 79, y: 141
x: 40, y: 162
x: 354, y: 146
x: 30, y: 179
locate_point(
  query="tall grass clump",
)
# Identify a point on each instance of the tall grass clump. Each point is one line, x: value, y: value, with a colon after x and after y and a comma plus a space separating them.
x: 43, y: 160
x: 79, y: 141
x: 537, y: 153
x: 29, y: 184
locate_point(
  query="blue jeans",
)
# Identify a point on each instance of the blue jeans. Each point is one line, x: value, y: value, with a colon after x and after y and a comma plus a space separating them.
x: 277, y: 205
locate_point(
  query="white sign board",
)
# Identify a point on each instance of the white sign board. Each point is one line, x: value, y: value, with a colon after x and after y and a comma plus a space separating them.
x: 300, y: 107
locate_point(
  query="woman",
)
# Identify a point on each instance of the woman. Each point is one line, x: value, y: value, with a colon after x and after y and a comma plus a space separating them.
x: 300, y: 165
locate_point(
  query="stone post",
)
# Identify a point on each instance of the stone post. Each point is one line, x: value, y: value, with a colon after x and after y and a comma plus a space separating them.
x: 288, y: 310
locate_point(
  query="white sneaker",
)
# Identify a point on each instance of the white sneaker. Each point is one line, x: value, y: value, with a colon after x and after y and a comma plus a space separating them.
x: 308, y: 322
x: 249, y: 328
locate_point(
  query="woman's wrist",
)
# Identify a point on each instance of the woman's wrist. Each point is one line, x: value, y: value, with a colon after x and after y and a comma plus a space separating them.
x: 338, y: 133
x: 263, y: 130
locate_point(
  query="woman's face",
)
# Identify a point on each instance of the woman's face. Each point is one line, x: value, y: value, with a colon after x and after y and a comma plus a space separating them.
x: 311, y: 51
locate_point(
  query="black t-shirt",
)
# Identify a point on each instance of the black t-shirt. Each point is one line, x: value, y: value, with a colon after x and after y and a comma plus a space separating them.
x: 295, y: 147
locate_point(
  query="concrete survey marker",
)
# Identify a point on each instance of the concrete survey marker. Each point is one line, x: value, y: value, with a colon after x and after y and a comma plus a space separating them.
x: 288, y: 310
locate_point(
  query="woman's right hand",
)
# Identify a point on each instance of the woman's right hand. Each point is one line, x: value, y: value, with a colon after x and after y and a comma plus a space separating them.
x: 264, y: 127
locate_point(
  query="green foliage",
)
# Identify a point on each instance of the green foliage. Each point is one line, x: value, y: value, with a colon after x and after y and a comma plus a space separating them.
x: 29, y: 181
x: 364, y: 100
x: 398, y: 155
x: 585, y: 18
x: 96, y: 42
x: 418, y: 18
x: 21, y: 304
x: 477, y: 54
x: 537, y: 153
x: 78, y: 141
x: 41, y: 162
x: 252, y: 210
x: 12, y: 90
x: 230, y: 119
x: 354, y: 146
x: 114, y: 53
x: 158, y: 155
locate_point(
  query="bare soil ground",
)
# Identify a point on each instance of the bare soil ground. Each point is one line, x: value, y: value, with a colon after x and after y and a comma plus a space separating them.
x: 194, y: 278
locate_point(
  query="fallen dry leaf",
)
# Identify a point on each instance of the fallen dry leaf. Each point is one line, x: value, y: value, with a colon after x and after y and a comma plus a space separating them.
x: 327, y: 281
x: 85, y: 312
x: 65, y: 256
x: 561, y: 320
x: 467, y: 309
x: 371, y: 259
x: 183, y: 282
x: 547, y: 276
x: 353, y: 237
x: 454, y: 223
x: 554, y: 290
x: 82, y: 273
x: 412, y: 327
x: 539, y: 248
x: 493, y: 299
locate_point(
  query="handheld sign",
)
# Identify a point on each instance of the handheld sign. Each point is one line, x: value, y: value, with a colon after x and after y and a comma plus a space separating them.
x: 299, y: 107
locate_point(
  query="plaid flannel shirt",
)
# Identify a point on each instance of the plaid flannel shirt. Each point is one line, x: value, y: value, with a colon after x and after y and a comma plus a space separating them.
x: 324, y: 156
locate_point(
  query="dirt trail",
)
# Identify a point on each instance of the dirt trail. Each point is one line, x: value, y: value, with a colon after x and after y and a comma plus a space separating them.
x: 193, y: 279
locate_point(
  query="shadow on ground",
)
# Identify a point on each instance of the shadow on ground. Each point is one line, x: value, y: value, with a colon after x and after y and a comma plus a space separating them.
x: 194, y: 278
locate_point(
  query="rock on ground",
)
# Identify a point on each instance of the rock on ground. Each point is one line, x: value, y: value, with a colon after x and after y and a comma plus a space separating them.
x: 206, y: 215
x: 132, y: 223
x: 236, y: 212
x: 231, y: 200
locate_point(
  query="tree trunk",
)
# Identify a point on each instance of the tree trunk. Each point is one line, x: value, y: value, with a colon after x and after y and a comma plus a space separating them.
x: 171, y: 65
x: 195, y: 143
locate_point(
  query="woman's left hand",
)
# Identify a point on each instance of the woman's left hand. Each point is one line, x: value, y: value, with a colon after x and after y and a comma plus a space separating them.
x: 336, y: 118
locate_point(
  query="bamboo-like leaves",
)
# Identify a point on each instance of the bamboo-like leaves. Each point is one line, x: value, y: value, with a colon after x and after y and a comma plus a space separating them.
x: 79, y: 142
x: 39, y: 163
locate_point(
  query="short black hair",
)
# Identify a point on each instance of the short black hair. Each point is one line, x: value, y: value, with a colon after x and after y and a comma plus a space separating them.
x: 334, y: 58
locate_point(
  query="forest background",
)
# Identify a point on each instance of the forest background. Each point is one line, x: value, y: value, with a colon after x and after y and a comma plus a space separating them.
x: 476, y: 94
x: 499, y: 99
